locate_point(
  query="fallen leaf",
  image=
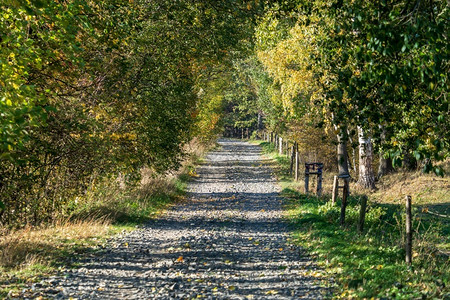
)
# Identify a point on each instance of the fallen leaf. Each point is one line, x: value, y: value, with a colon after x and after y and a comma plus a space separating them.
x: 180, y: 259
x: 231, y: 287
x: 271, y: 292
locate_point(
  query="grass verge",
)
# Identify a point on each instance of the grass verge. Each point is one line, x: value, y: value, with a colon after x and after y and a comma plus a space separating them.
x: 369, y: 264
x: 29, y: 254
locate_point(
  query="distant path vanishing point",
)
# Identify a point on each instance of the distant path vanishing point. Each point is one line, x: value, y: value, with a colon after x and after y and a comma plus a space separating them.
x: 228, y: 241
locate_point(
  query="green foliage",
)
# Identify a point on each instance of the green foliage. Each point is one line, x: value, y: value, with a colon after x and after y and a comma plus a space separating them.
x: 382, y: 66
x: 93, y: 89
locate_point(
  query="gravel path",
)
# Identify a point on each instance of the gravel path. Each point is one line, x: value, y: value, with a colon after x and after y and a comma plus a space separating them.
x: 227, y: 242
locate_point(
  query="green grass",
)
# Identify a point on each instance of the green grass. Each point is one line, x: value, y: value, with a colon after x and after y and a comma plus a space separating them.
x: 369, y: 264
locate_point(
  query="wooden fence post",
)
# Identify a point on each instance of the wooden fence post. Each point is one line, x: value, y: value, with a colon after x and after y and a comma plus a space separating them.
x: 344, y: 202
x: 335, y: 189
x: 319, y: 185
x: 408, y: 243
x: 306, y: 180
x: 296, y: 165
x: 291, y: 167
x: 362, y: 213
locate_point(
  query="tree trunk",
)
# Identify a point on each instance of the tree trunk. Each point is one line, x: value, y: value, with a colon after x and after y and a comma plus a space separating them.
x: 366, y: 175
x: 385, y: 166
x: 352, y: 165
x: 342, y: 154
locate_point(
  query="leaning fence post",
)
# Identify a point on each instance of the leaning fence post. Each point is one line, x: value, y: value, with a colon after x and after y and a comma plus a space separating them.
x: 362, y: 213
x: 408, y: 244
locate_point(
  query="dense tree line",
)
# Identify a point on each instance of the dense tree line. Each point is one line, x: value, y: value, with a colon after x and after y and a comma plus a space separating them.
x: 362, y: 74
x: 94, y: 89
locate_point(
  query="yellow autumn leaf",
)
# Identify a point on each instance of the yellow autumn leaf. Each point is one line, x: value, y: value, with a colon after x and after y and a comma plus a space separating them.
x: 180, y: 259
x: 272, y: 292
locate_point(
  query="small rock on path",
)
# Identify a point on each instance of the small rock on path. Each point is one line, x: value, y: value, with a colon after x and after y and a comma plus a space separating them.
x: 229, y: 241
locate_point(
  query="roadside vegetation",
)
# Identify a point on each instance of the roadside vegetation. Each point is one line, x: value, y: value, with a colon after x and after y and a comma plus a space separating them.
x: 31, y: 253
x: 372, y: 264
x: 102, y: 102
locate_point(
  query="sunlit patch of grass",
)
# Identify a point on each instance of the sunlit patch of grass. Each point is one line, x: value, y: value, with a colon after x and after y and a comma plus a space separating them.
x: 371, y: 264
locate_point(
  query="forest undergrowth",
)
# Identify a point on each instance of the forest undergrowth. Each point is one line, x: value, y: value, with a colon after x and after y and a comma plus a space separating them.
x: 372, y: 264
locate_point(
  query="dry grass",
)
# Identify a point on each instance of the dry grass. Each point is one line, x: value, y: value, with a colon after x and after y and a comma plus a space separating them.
x: 423, y: 188
x: 25, y: 247
x: 32, y: 252
x: 31, y: 245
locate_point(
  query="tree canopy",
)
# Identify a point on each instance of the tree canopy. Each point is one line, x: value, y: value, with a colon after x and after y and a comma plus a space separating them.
x: 99, y: 88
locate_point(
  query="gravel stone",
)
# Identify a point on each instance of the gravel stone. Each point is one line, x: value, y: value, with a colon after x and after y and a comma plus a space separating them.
x: 227, y: 241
